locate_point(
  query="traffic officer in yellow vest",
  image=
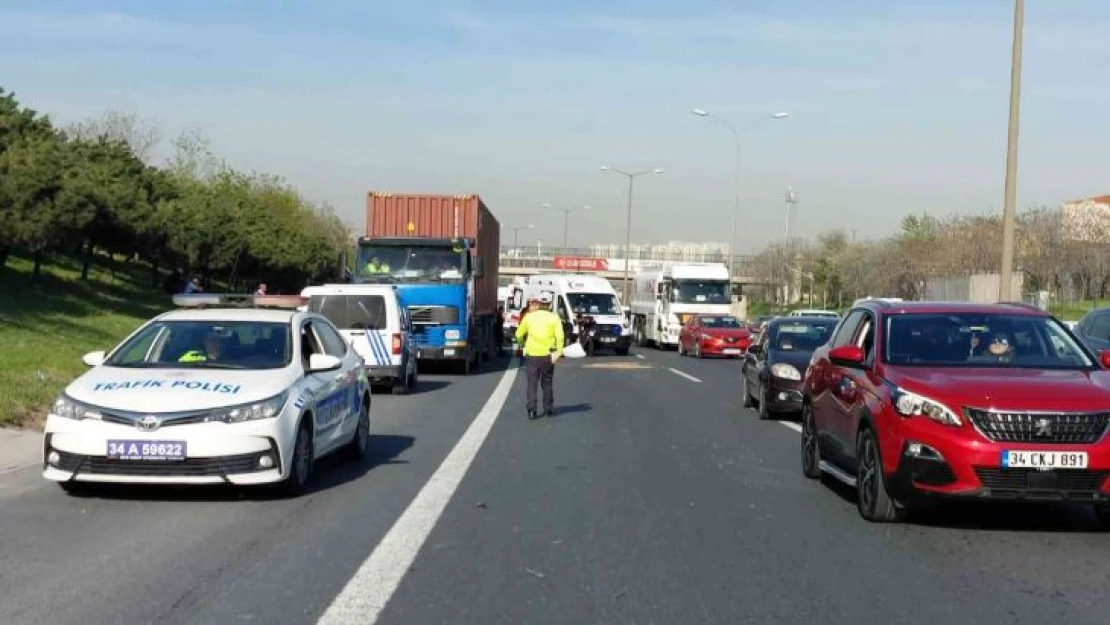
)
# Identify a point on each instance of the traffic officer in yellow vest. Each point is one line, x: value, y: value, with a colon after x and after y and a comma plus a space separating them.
x: 542, y: 349
x: 215, y: 344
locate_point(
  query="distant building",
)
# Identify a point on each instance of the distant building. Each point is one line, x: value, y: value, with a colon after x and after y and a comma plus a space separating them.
x: 1086, y: 220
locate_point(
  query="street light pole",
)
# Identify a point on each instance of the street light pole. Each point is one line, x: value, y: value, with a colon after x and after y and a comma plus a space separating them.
x: 1009, y: 216
x: 628, y: 221
x: 516, y: 233
x: 566, y: 218
x: 736, y: 182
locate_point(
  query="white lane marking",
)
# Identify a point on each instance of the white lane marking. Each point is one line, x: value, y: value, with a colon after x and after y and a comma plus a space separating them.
x: 640, y: 356
x: 685, y: 375
x: 365, y: 596
x: 790, y: 424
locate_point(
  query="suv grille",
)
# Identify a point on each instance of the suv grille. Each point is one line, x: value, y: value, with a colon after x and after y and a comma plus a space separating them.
x: 1024, y: 427
x: 443, y: 315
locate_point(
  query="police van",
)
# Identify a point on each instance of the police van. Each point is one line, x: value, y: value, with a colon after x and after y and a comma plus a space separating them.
x: 372, y: 319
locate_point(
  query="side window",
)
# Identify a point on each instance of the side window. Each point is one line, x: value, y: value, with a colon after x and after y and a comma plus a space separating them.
x: 847, y: 330
x: 309, y: 344
x: 334, y: 345
x: 865, y: 339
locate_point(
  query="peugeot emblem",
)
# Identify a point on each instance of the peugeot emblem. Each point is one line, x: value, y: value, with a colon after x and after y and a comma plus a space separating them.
x: 1044, y: 427
x: 148, y: 423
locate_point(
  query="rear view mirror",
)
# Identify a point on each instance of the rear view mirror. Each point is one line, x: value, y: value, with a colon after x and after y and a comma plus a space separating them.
x: 846, y: 355
x: 1104, y: 358
x: 93, y: 359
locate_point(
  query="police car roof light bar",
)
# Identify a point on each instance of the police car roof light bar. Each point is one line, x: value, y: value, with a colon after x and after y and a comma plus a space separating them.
x: 237, y: 300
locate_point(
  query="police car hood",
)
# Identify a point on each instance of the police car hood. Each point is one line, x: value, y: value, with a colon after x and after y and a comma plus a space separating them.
x: 175, y: 390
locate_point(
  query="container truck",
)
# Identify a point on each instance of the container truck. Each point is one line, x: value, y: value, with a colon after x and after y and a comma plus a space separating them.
x: 441, y: 252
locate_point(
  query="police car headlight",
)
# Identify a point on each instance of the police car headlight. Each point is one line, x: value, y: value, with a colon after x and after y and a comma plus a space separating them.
x: 67, y: 407
x: 265, y: 409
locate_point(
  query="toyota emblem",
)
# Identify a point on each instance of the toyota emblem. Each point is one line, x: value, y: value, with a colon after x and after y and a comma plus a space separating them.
x: 148, y: 423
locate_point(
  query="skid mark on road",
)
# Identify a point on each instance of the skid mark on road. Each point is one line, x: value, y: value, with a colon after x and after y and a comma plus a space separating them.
x: 683, y: 374
x: 366, y: 594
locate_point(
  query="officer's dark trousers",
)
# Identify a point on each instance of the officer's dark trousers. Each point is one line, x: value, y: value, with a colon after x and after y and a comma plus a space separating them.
x: 540, y: 370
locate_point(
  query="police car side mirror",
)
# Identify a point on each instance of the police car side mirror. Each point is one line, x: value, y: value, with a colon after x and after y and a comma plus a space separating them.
x: 93, y: 359
x: 318, y: 363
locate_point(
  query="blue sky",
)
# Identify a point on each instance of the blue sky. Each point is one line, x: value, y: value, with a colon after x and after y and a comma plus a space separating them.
x: 896, y: 106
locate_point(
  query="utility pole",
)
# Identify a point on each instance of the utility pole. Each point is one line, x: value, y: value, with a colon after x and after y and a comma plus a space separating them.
x: 1009, y: 216
x: 628, y: 221
x: 791, y: 204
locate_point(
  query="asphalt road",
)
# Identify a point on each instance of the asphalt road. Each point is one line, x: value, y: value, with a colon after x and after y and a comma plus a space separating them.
x: 652, y: 497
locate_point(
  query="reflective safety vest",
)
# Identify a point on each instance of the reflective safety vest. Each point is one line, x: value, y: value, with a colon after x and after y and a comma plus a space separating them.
x: 383, y: 268
x: 193, y: 356
x: 544, y: 332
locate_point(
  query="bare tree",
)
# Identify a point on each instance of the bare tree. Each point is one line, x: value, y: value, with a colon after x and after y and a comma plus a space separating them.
x: 142, y: 135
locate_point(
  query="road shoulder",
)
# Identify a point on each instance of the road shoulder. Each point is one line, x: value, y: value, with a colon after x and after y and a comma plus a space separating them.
x: 19, y: 449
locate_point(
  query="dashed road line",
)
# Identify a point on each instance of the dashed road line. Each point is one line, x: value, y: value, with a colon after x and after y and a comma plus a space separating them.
x: 683, y: 374
x: 640, y: 356
x: 365, y: 596
x: 790, y: 424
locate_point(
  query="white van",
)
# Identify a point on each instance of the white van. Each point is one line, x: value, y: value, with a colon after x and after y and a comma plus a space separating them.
x: 373, y: 321
x: 591, y: 296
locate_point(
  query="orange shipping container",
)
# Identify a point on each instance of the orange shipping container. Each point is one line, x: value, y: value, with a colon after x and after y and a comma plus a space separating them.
x: 442, y: 216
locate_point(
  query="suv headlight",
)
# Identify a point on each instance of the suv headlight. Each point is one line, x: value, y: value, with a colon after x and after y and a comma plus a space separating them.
x: 786, y: 371
x: 265, y: 409
x: 910, y: 404
x: 66, y: 407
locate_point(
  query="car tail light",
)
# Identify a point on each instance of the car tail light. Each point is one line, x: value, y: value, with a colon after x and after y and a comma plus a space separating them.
x: 396, y: 344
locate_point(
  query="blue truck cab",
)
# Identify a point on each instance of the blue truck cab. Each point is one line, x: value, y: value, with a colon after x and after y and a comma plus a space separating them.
x: 434, y: 278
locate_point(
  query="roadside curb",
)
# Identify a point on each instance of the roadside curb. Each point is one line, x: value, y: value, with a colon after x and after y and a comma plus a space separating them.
x: 19, y: 449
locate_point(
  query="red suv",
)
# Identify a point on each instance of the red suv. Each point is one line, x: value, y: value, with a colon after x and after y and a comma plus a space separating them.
x: 913, y: 402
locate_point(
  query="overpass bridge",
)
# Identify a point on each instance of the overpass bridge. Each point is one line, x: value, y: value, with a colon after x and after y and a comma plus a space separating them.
x: 531, y: 261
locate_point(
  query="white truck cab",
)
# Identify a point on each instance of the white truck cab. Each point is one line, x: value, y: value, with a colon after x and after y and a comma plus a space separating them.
x: 665, y: 297
x: 374, y: 322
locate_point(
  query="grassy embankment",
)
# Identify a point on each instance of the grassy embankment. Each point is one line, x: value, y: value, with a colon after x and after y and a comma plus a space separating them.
x: 47, y: 325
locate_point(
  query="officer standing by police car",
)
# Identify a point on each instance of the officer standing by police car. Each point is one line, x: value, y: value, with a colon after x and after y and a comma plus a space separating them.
x: 542, y: 348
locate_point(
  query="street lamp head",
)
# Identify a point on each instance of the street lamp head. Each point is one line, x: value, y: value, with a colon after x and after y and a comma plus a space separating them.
x: 605, y: 168
x: 780, y: 115
x: 546, y: 205
x: 700, y: 113
x: 657, y: 171
x: 530, y: 226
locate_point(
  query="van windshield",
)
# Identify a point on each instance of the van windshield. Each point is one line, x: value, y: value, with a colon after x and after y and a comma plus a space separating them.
x: 594, y: 303
x: 351, y: 312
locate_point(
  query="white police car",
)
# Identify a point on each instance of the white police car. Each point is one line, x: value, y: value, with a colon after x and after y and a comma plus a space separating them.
x: 235, y: 389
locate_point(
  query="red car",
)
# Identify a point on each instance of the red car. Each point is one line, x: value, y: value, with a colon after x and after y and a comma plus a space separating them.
x: 714, y: 335
x: 915, y: 402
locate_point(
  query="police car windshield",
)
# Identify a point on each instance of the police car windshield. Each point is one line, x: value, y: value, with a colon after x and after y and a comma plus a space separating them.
x: 206, y: 345
x: 594, y: 303
x: 981, y: 340
x: 410, y: 263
